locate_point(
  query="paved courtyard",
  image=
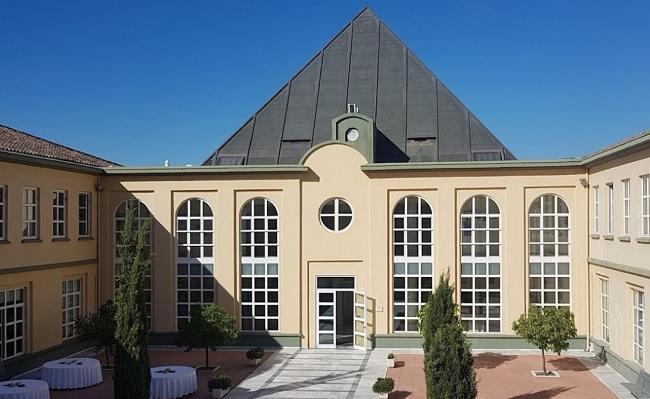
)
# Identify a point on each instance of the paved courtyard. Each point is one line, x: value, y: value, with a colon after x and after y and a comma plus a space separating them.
x: 292, y: 373
x: 307, y: 373
x: 230, y: 362
x: 508, y: 376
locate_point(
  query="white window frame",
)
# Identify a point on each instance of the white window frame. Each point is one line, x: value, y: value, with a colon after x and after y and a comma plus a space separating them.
x: 337, y: 215
x: 58, y: 214
x: 84, y: 221
x: 604, y: 309
x: 638, y: 325
x: 596, y: 209
x: 645, y: 205
x: 30, y: 213
x: 71, y: 305
x: 140, y: 219
x: 195, y: 283
x: 3, y: 212
x: 610, y: 208
x: 480, y: 265
x: 626, y: 207
x: 259, y: 267
x: 17, y: 343
x: 549, y: 234
x: 412, y: 261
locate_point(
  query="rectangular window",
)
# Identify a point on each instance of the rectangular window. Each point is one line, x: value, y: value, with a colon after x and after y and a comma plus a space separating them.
x: 259, y: 296
x: 645, y: 205
x: 610, y: 208
x: 84, y: 214
x: 30, y: 213
x: 70, y: 306
x: 412, y: 286
x: 639, y: 325
x: 626, y: 207
x: 604, y: 309
x: 12, y: 323
x: 3, y: 234
x: 596, y: 208
x: 58, y: 214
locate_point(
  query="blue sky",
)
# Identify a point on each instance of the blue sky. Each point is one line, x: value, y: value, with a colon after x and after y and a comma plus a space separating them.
x: 142, y: 82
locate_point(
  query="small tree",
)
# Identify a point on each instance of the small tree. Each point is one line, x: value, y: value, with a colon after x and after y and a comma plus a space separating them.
x: 209, y: 327
x: 549, y: 329
x: 99, y: 327
x: 132, y: 374
x: 449, y: 370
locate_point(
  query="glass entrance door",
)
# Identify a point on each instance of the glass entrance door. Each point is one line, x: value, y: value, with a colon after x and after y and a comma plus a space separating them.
x: 326, y: 318
x: 335, y: 307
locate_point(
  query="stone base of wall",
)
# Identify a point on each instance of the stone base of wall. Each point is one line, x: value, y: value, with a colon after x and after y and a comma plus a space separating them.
x: 273, y: 340
x: 478, y: 341
x: 639, y: 379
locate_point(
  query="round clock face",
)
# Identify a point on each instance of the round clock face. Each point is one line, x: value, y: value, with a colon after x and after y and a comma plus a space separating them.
x: 352, y: 135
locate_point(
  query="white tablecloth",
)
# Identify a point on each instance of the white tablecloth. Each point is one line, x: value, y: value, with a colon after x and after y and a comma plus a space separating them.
x: 32, y: 389
x: 172, y: 385
x: 71, y: 373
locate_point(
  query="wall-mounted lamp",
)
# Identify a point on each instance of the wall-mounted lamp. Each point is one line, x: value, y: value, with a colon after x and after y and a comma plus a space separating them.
x: 99, y: 188
x: 584, y: 182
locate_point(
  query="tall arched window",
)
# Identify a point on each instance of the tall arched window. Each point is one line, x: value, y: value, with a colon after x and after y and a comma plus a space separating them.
x: 195, y: 261
x: 259, y: 266
x: 142, y: 216
x: 480, y: 265
x: 412, y: 261
x: 549, y: 262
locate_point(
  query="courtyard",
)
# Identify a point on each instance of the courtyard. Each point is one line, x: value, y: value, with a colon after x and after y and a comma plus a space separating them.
x: 508, y: 376
x: 349, y: 374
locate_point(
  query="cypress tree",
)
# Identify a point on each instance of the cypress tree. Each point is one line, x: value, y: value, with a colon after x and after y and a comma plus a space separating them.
x: 449, y: 371
x: 132, y: 374
x: 439, y: 310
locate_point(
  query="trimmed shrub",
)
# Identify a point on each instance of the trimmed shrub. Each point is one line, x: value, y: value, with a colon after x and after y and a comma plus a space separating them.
x: 383, y: 385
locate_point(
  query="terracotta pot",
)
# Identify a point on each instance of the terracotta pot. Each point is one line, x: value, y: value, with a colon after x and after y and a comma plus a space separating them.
x: 254, y: 362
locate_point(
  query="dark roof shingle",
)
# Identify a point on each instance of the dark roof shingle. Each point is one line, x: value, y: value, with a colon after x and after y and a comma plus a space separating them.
x: 12, y: 140
x: 417, y: 117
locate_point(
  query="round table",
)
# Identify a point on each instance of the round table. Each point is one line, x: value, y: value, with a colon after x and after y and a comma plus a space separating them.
x: 72, y: 373
x: 24, y: 389
x: 168, y: 382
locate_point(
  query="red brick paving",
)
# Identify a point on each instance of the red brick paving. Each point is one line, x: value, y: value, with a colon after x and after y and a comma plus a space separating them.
x: 232, y: 363
x: 504, y: 376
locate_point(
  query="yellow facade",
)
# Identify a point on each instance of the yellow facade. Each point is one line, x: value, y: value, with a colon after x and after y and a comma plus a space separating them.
x: 307, y: 250
x: 41, y: 265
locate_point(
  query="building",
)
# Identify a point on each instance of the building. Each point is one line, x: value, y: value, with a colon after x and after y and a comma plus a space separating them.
x: 327, y: 218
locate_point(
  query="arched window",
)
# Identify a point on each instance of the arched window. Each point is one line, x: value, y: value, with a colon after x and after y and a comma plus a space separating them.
x: 412, y: 261
x: 195, y: 261
x: 259, y: 266
x: 480, y: 265
x: 549, y: 262
x: 142, y: 216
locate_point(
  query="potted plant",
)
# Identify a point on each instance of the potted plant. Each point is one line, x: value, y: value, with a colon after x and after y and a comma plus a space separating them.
x: 219, y: 386
x: 383, y: 386
x: 255, y: 355
x: 390, y: 362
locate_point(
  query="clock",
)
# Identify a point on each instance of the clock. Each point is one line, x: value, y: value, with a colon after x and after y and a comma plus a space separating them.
x: 352, y: 135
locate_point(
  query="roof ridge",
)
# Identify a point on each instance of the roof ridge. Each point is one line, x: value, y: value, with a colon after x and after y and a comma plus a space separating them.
x: 57, y: 144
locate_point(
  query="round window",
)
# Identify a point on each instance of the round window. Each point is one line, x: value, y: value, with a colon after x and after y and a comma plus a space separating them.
x: 336, y: 214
